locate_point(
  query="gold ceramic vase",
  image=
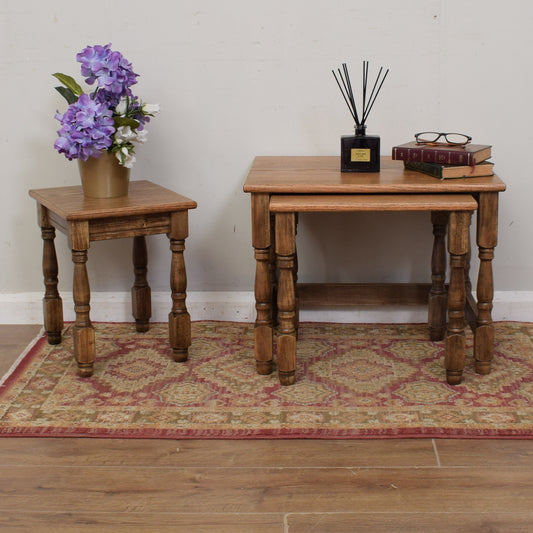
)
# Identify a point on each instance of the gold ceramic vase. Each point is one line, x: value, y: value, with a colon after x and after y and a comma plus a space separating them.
x: 104, y: 177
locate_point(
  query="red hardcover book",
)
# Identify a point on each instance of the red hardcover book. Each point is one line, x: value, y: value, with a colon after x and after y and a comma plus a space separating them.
x: 442, y: 154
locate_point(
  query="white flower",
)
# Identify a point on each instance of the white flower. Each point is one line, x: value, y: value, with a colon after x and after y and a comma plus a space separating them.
x: 142, y: 136
x: 122, y: 106
x: 124, y: 134
x: 128, y: 158
x: 125, y: 158
x: 150, y: 109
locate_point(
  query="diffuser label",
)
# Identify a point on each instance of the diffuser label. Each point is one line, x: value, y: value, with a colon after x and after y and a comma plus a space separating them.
x: 360, y: 155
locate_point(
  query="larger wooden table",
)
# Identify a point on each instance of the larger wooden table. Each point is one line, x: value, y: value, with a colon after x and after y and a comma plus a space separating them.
x: 272, y: 177
x: 148, y: 209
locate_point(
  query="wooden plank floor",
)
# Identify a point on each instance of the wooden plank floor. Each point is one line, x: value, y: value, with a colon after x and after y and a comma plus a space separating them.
x: 285, y: 486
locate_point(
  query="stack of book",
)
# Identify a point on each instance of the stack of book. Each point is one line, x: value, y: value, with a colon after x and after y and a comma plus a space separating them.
x: 446, y: 161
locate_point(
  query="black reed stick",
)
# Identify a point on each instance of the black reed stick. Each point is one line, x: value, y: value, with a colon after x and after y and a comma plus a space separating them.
x: 347, y: 77
x: 374, y: 88
x: 345, y: 98
x: 365, y: 81
x: 346, y: 90
x: 348, y: 81
x: 350, y: 90
x: 376, y: 95
x: 347, y: 93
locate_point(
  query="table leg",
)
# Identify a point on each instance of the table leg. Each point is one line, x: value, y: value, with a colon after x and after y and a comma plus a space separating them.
x: 52, y: 303
x: 285, y: 252
x: 263, y: 288
x: 295, y: 278
x: 179, y: 320
x: 272, y: 271
x: 458, y: 246
x: 487, y: 238
x: 141, y: 297
x: 83, y: 333
x: 468, y: 282
x: 438, y: 295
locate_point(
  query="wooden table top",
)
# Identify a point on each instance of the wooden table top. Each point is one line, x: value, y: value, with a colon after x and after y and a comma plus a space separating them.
x: 322, y: 175
x: 144, y: 197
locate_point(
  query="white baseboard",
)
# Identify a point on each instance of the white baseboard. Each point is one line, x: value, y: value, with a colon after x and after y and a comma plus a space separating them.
x: 26, y: 308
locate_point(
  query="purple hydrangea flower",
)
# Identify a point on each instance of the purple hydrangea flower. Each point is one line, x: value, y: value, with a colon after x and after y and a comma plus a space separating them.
x: 112, y: 73
x: 86, y: 129
x: 111, y: 117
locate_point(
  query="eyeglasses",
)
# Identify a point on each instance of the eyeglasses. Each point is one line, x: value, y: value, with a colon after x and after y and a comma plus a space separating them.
x: 431, y: 137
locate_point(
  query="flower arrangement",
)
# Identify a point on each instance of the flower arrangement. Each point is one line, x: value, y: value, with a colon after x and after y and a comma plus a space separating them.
x: 110, y: 117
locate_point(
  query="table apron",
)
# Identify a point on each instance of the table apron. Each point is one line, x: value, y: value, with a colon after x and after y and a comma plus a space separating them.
x: 118, y: 227
x: 135, y: 226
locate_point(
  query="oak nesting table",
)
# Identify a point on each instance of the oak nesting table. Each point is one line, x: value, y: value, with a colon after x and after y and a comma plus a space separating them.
x: 281, y: 187
x: 148, y: 209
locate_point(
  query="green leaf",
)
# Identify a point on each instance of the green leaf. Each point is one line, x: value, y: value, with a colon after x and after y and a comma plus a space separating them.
x: 67, y: 94
x: 69, y: 83
x: 126, y: 121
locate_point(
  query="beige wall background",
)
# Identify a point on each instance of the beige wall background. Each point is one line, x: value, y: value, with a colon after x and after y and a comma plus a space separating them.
x: 241, y: 78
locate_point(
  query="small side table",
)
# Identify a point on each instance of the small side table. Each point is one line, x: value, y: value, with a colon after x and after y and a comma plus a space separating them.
x: 147, y: 210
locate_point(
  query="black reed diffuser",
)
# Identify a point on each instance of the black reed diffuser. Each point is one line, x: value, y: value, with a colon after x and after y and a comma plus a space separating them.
x: 359, y: 153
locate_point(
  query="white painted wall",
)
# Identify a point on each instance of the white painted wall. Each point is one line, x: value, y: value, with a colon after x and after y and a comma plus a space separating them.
x: 239, y: 78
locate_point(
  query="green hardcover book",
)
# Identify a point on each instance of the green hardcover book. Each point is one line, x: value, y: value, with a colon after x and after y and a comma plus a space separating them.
x: 485, y: 168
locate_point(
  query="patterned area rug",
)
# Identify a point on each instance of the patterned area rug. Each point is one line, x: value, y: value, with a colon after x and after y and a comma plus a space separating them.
x: 353, y: 381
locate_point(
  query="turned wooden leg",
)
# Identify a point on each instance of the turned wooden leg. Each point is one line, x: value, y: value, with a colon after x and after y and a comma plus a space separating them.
x: 471, y: 302
x: 487, y: 238
x: 52, y: 303
x: 141, y: 297
x: 83, y: 333
x: 468, y: 282
x: 438, y: 296
x: 295, y: 279
x: 285, y: 251
x: 272, y: 271
x: 179, y: 320
x: 458, y: 246
x: 263, y: 331
x: 263, y: 288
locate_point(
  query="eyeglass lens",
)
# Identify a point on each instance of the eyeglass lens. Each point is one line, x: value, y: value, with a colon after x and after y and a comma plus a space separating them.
x: 433, y: 136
